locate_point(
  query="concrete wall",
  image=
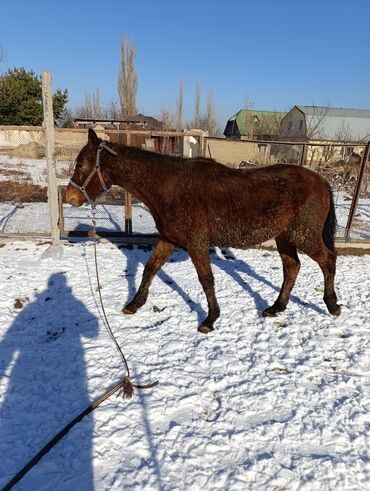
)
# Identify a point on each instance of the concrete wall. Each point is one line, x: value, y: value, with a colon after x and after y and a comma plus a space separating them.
x: 12, y: 136
x: 232, y: 152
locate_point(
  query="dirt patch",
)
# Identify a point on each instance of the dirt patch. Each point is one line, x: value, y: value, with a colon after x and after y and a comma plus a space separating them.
x: 19, y: 303
x: 22, y: 192
x: 352, y: 251
x: 29, y: 150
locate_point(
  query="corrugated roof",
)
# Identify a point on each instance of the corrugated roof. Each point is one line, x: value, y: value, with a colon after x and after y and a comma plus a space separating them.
x: 242, y: 116
x: 337, y: 123
x: 335, y: 111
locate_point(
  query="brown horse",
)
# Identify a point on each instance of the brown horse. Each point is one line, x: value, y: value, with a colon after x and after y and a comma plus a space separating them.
x: 198, y: 203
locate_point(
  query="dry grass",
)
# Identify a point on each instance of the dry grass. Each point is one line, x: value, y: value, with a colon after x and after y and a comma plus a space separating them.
x: 19, y: 174
x: 22, y: 192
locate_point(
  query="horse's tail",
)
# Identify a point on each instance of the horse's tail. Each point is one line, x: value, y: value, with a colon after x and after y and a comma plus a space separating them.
x: 330, y: 226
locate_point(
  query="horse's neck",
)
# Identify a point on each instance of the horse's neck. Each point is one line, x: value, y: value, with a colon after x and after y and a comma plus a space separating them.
x: 140, y: 173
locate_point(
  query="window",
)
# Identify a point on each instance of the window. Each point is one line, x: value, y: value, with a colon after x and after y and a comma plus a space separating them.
x: 347, y: 151
x: 301, y: 124
x: 262, y: 148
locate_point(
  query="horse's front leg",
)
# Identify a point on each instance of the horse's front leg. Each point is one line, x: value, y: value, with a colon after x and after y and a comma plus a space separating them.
x: 202, y: 264
x: 161, y: 253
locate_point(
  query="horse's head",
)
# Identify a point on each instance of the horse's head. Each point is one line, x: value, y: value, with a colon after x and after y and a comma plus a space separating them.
x: 89, y: 180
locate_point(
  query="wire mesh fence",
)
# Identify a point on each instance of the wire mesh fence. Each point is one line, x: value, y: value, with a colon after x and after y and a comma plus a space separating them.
x: 23, y: 178
x: 339, y: 163
x: 23, y: 182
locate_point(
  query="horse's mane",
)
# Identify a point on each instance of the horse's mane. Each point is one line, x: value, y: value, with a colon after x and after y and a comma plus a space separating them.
x: 170, y: 161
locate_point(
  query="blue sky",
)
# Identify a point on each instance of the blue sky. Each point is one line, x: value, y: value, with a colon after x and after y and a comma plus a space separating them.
x: 275, y: 53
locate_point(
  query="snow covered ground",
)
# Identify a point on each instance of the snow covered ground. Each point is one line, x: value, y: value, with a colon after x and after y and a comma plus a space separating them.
x: 259, y: 404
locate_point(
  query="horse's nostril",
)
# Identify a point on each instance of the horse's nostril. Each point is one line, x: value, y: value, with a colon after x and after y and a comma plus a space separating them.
x: 71, y: 200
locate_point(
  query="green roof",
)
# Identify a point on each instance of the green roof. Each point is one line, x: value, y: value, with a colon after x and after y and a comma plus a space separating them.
x: 244, y: 115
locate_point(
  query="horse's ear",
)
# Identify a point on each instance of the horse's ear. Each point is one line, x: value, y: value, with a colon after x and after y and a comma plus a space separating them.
x: 93, y: 139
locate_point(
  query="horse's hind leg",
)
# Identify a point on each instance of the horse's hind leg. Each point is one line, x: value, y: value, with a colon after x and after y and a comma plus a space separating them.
x: 202, y: 264
x: 326, y: 259
x: 291, y: 265
x: 159, y: 256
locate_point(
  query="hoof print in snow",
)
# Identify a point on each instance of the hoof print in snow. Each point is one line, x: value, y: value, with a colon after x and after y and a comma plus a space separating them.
x: 343, y: 335
x: 157, y: 309
x: 279, y: 370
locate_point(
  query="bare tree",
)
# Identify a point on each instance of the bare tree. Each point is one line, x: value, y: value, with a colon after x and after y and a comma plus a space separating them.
x: 168, y: 118
x: 180, y: 106
x: 112, y: 110
x: 96, y: 104
x: 91, y: 107
x: 197, y: 116
x: 127, y: 80
x: 211, y: 125
x: 315, y: 123
x: 267, y: 125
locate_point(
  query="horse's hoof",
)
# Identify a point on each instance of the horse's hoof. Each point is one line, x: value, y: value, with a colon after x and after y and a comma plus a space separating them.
x: 127, y: 310
x: 273, y: 310
x: 205, y: 329
x: 270, y: 312
x: 336, y: 310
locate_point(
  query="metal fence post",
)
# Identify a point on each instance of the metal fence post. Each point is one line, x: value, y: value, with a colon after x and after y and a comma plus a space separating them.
x: 50, y: 160
x: 356, y: 195
x: 303, y: 155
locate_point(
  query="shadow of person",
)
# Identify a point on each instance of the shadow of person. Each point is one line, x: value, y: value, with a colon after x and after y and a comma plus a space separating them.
x: 42, y: 359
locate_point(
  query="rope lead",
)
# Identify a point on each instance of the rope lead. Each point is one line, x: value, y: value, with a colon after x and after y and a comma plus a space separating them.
x: 128, y: 386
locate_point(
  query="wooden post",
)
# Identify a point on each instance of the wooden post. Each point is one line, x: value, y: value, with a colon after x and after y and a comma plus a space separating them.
x: 356, y: 195
x: 50, y: 161
x: 61, y: 212
x: 128, y: 201
x: 128, y: 213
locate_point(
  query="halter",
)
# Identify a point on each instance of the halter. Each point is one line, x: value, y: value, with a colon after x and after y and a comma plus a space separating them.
x: 96, y: 170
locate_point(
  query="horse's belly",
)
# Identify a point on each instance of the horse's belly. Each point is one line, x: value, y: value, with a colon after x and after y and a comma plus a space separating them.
x: 242, y: 237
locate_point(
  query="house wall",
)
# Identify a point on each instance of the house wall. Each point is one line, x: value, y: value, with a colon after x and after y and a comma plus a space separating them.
x: 317, y: 155
x: 293, y: 125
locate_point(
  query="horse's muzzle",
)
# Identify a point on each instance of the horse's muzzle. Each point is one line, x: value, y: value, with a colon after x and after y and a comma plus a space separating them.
x: 74, y: 197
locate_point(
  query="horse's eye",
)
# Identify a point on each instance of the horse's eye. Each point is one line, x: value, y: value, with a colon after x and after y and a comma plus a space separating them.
x: 78, y: 165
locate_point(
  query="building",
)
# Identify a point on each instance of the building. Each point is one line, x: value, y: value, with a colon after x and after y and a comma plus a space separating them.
x: 314, y: 123
x: 329, y: 125
x: 139, y: 122
x: 250, y: 124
